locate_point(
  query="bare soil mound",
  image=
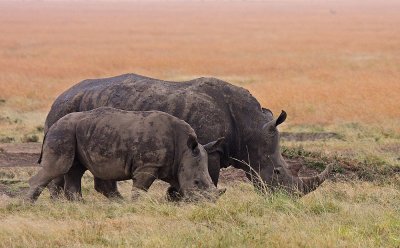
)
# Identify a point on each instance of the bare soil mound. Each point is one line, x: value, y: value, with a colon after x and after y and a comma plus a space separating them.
x: 308, y: 136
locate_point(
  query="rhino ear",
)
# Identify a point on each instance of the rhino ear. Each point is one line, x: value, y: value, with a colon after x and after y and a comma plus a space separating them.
x: 268, y: 113
x: 281, y: 118
x: 192, y: 142
x: 271, y: 126
x: 215, y: 146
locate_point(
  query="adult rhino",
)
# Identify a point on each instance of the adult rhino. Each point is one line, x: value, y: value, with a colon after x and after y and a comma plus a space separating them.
x: 212, y: 107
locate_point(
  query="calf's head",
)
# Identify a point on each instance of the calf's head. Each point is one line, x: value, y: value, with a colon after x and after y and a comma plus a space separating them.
x: 193, y: 176
x: 272, y: 170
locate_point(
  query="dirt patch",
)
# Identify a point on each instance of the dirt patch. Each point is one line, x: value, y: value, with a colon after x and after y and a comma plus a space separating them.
x: 18, y: 159
x: 306, y: 166
x: 30, y: 148
x: 288, y: 136
x: 232, y: 174
x: 21, y: 155
x: 297, y: 167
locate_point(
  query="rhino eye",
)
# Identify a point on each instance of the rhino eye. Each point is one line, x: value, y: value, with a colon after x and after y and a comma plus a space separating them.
x: 271, y: 132
x: 196, y: 152
x: 277, y: 171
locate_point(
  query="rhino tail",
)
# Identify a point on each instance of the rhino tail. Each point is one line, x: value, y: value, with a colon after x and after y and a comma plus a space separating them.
x: 41, y: 150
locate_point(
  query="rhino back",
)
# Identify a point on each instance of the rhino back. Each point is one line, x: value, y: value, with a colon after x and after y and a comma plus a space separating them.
x: 71, y: 100
x: 211, y: 106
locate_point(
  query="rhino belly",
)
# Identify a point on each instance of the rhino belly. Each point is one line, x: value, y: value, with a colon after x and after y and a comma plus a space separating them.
x: 102, y: 158
x: 106, y: 168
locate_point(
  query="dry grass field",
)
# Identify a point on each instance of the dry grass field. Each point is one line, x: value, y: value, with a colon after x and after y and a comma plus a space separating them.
x: 339, y: 214
x: 334, y: 66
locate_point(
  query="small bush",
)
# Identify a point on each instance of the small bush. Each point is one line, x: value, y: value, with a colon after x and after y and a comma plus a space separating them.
x: 40, y: 128
x: 30, y: 138
x: 6, y: 139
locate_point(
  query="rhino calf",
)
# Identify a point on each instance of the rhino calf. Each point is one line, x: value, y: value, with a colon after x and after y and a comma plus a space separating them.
x: 120, y: 145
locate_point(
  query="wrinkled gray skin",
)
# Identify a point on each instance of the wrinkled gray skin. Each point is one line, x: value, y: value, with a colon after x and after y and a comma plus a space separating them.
x: 120, y: 145
x: 212, y: 107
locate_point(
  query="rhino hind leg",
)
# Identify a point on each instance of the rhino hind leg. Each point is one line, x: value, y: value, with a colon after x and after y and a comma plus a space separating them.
x: 53, y: 167
x: 57, y: 160
x: 56, y: 187
x: 73, y: 182
x: 108, y: 188
x: 37, y: 184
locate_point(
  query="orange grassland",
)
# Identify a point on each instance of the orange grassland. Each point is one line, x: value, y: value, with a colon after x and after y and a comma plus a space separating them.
x: 322, y: 61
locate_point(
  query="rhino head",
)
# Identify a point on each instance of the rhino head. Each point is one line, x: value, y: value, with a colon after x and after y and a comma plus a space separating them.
x: 272, y: 170
x: 193, y: 176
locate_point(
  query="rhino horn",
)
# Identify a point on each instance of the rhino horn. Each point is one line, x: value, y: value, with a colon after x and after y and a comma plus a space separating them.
x: 304, y: 185
x: 308, y: 184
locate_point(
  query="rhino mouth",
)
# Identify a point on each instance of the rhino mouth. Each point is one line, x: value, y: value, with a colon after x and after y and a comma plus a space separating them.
x: 301, y: 185
x: 294, y: 183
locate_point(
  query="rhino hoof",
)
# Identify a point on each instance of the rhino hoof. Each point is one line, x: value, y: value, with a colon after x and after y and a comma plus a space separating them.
x: 173, y: 194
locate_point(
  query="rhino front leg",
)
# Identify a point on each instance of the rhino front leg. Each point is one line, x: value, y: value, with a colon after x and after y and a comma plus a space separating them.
x: 108, y: 188
x: 214, y: 166
x: 173, y: 194
x: 143, y: 178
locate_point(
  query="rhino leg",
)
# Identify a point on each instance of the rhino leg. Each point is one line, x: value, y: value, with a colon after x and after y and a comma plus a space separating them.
x: 143, y: 178
x: 214, y: 166
x: 53, y: 166
x: 73, y: 180
x: 173, y: 194
x: 37, y: 184
x: 56, y: 187
x: 108, y: 188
